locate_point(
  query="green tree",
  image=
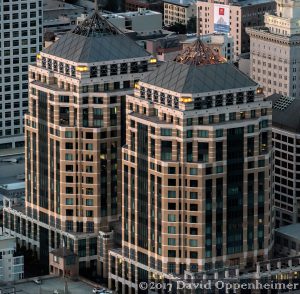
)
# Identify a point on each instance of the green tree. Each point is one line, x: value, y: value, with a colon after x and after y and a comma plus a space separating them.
x: 191, y: 25
x: 178, y: 28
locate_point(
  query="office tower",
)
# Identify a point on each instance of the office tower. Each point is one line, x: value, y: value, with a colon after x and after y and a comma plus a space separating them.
x: 232, y: 18
x: 275, y: 51
x: 196, y: 172
x: 286, y: 169
x: 21, y: 39
x: 73, y: 138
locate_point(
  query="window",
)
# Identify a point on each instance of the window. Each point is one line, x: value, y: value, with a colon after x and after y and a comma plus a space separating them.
x: 203, y: 134
x: 69, y: 156
x: 219, y: 133
x: 166, y: 132
x: 172, y: 241
x: 171, y: 194
x: 69, y: 201
x: 89, y: 191
x: 193, y: 243
x: 171, y: 230
x: 193, y: 195
x: 171, y: 217
x: 68, y: 134
x: 193, y: 171
x: 251, y: 128
x: 232, y: 116
x: 219, y: 169
x: 89, y: 202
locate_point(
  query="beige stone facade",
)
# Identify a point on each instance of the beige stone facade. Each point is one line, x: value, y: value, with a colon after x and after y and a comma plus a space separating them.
x: 274, y: 58
x: 73, y: 138
x: 196, y: 176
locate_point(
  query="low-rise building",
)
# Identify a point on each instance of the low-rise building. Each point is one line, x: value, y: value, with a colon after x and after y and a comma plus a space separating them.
x: 179, y: 11
x: 219, y: 42
x: 143, y: 22
x: 60, y: 16
x: 11, y: 266
x: 133, y: 5
x: 64, y: 262
x: 287, y: 240
x: 167, y: 48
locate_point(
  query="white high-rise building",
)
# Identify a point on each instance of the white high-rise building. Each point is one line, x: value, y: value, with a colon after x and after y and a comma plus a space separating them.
x: 275, y: 50
x: 20, y: 40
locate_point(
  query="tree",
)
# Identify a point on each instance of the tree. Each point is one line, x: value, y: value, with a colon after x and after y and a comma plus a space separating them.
x: 178, y: 28
x: 191, y: 26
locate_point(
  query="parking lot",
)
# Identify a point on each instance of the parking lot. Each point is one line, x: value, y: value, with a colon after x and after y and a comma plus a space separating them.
x: 48, y: 286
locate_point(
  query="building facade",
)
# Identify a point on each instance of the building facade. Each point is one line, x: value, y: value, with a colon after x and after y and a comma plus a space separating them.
x: 286, y: 164
x: 275, y: 53
x: 196, y: 173
x: 237, y: 16
x: 73, y: 138
x: 179, y: 11
x: 11, y: 266
x: 21, y: 39
x: 134, y: 5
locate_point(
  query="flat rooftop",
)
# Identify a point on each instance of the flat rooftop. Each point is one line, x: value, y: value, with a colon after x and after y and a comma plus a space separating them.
x: 12, y: 169
x: 292, y: 231
x: 185, y: 3
x: 250, y: 2
x: 13, y: 186
x: 49, y: 285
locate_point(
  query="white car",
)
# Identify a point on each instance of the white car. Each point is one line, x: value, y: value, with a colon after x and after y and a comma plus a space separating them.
x: 37, y: 281
x: 98, y: 291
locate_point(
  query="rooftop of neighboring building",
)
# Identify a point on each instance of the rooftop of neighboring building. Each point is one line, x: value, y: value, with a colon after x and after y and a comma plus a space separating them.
x: 49, y: 285
x: 7, y: 241
x: 13, y: 186
x: 185, y: 3
x: 62, y: 252
x: 95, y: 40
x: 59, y: 5
x: 14, y: 167
x: 286, y: 112
x: 251, y: 2
x: 130, y: 14
x: 291, y: 231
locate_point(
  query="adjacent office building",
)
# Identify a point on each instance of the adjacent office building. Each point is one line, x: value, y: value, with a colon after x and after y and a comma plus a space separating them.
x: 21, y: 39
x: 232, y: 18
x: 73, y: 137
x: 196, y: 172
x: 286, y: 164
x: 275, y: 51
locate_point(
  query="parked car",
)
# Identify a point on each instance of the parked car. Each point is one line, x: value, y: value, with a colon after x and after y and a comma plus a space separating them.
x: 98, y: 291
x: 38, y: 281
